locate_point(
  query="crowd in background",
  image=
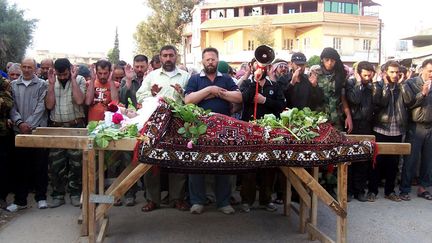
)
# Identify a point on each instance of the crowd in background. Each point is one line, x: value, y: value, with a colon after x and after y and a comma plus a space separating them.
x: 388, y: 101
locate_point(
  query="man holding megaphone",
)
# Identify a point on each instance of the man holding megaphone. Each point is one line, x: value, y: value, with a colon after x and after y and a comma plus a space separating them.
x: 260, y: 96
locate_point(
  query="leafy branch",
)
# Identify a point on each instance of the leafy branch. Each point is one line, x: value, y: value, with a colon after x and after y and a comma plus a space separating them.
x: 103, y: 134
x: 193, y: 127
x: 300, y: 123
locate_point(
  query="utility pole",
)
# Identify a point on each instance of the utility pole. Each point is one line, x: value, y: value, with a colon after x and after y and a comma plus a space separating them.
x: 379, y: 41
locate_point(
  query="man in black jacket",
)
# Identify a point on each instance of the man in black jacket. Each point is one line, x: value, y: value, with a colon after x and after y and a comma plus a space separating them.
x: 416, y: 93
x: 270, y: 101
x: 302, y: 91
x: 389, y: 126
x: 359, y: 96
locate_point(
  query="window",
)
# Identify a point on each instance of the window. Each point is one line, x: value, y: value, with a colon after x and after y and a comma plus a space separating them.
x: 217, y: 13
x: 327, y: 6
x: 306, y: 43
x: 309, y: 7
x: 367, y: 45
x: 288, y: 44
x: 341, y: 7
x: 229, y: 46
x: 251, y: 45
x: 337, y: 43
x: 270, y: 9
x: 290, y: 8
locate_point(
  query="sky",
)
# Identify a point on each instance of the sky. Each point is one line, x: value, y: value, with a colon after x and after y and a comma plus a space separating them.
x: 81, y: 26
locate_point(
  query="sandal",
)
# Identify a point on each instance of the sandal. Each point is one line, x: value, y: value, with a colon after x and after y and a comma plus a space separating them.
x: 405, y: 196
x: 278, y: 201
x: 118, y: 203
x: 181, y: 205
x: 150, y: 206
x: 426, y: 195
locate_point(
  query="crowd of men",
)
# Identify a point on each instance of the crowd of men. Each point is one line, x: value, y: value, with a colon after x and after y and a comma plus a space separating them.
x: 389, y: 102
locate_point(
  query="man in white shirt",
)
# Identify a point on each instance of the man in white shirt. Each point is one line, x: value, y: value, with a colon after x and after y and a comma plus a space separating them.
x: 168, y: 81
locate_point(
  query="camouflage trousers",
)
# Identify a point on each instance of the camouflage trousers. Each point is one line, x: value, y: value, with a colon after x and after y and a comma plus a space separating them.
x: 65, y: 172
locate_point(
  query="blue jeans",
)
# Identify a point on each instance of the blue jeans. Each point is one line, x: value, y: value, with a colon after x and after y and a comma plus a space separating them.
x: 197, y: 191
x: 420, y: 137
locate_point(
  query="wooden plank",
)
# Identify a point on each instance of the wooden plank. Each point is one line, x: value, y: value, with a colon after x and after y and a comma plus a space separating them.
x: 51, y: 141
x: 322, y: 194
x: 314, y: 205
x: 84, y: 210
x: 302, y: 216
x: 296, y: 183
x: 288, y: 196
x: 80, y: 219
x: 120, y: 178
x: 318, y: 234
x: 123, y: 186
x: 102, y: 231
x: 125, y: 144
x: 101, y: 171
x: 60, y: 131
x: 394, y: 148
x: 91, y: 190
x: 358, y: 137
x: 294, y: 208
x: 341, y: 219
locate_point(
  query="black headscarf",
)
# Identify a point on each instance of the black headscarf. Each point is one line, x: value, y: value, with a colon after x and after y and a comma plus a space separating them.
x: 338, y: 70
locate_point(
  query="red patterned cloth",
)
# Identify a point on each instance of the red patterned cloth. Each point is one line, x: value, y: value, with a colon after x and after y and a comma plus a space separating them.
x: 230, y: 144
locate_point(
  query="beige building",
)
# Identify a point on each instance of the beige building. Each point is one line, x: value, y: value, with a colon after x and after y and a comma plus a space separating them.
x: 296, y: 25
x: 86, y: 58
x: 421, y: 48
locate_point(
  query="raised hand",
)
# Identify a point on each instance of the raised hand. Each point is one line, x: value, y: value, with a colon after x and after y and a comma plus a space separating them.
x: 313, y: 79
x: 385, y: 78
x: 401, y: 78
x: 74, y: 72
x: 258, y: 74
x: 178, y: 88
x: 296, y: 76
x: 129, y: 74
x: 92, y: 73
x: 426, y: 87
x: 155, y: 89
x: 51, y: 76
x: 110, y: 77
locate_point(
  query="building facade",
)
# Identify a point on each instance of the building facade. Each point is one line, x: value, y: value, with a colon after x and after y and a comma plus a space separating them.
x: 234, y: 27
x: 85, y: 58
x: 419, y: 50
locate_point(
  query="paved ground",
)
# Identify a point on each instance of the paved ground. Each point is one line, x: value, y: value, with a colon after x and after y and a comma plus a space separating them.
x: 382, y: 221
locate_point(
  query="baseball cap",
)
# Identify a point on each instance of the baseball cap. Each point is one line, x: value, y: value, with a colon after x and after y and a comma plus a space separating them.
x: 298, y: 58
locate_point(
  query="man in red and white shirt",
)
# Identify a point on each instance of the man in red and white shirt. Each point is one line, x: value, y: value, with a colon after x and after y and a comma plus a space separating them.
x: 101, y: 92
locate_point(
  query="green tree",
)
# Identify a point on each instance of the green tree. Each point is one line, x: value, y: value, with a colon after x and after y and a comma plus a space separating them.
x: 313, y: 60
x: 114, y: 54
x: 164, y: 26
x: 15, y: 33
x: 264, y: 32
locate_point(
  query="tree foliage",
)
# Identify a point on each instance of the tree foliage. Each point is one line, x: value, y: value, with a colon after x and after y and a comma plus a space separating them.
x: 264, y: 32
x: 313, y: 60
x: 114, y: 54
x: 164, y: 26
x: 15, y: 33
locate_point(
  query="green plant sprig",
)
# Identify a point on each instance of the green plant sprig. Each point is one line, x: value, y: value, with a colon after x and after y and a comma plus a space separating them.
x: 193, y: 127
x: 299, y: 123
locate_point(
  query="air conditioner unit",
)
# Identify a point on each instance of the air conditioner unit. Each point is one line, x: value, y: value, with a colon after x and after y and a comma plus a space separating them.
x: 256, y: 11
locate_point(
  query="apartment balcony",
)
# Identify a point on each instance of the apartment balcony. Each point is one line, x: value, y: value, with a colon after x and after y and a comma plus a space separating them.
x: 295, y: 20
